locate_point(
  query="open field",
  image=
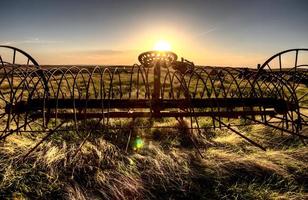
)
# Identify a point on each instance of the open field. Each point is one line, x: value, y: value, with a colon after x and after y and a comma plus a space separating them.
x: 167, y: 167
x: 143, y: 161
x: 154, y: 100
x: 107, y: 158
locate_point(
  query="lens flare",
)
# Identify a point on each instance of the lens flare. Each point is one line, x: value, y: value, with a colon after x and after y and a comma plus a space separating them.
x: 138, y: 144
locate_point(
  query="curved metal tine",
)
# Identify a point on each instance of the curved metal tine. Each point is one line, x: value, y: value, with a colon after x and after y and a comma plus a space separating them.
x: 2, y: 98
x: 2, y: 114
x: 116, y: 71
x: 13, y: 131
x: 300, y: 98
x: 145, y: 81
x: 36, y: 123
x: 164, y: 86
x: 58, y: 90
x: 193, y: 110
x: 44, y: 139
x: 90, y: 79
x: 241, y: 135
x: 192, y: 138
x: 295, y: 67
x: 304, y: 119
x: 304, y: 115
x: 275, y: 127
x: 187, y: 96
x: 296, y: 58
x: 26, y: 87
x: 194, y: 95
x: 85, y: 86
x: 14, y: 56
x: 280, y: 66
x: 12, y: 116
x: 255, y: 94
x: 2, y: 63
x: 305, y: 123
x: 13, y: 119
x: 107, y: 73
x: 291, y: 118
x: 296, y: 84
x: 131, y: 82
x: 79, y: 92
x: 279, y: 125
x: 283, y: 119
x: 101, y: 93
x: 212, y: 91
x: 86, y: 138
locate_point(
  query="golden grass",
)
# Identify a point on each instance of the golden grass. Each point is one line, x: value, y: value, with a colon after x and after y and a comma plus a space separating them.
x: 166, y: 168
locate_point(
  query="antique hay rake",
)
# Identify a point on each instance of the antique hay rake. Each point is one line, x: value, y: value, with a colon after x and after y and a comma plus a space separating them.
x: 35, y: 99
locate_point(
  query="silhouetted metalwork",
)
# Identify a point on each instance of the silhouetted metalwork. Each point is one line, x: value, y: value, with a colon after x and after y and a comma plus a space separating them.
x: 34, y: 99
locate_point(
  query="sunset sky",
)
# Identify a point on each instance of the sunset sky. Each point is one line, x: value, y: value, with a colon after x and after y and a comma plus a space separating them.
x: 207, y: 32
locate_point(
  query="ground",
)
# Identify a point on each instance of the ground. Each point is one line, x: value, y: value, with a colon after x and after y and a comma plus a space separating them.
x: 164, y: 165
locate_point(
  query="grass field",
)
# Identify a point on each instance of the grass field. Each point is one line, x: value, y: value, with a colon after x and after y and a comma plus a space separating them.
x: 156, y: 163
x: 166, y: 167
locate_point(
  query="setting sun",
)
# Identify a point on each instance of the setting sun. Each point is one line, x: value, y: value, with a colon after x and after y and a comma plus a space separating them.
x: 162, y: 46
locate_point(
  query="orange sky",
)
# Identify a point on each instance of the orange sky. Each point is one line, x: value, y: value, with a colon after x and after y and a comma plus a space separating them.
x: 206, y: 32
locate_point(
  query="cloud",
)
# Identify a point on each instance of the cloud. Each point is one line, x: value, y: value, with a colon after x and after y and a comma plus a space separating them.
x: 97, y: 56
x: 30, y: 41
x: 103, y: 52
x: 206, y: 32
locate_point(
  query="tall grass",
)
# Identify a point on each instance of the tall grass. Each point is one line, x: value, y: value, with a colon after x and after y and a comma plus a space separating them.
x: 167, y: 167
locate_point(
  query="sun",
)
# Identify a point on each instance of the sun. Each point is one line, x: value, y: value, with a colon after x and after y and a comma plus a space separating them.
x: 162, y: 46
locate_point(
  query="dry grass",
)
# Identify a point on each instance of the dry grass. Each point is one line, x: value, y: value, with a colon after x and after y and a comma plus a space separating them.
x: 167, y: 167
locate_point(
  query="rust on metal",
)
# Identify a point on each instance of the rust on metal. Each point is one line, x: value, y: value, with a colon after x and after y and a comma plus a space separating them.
x: 160, y: 86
